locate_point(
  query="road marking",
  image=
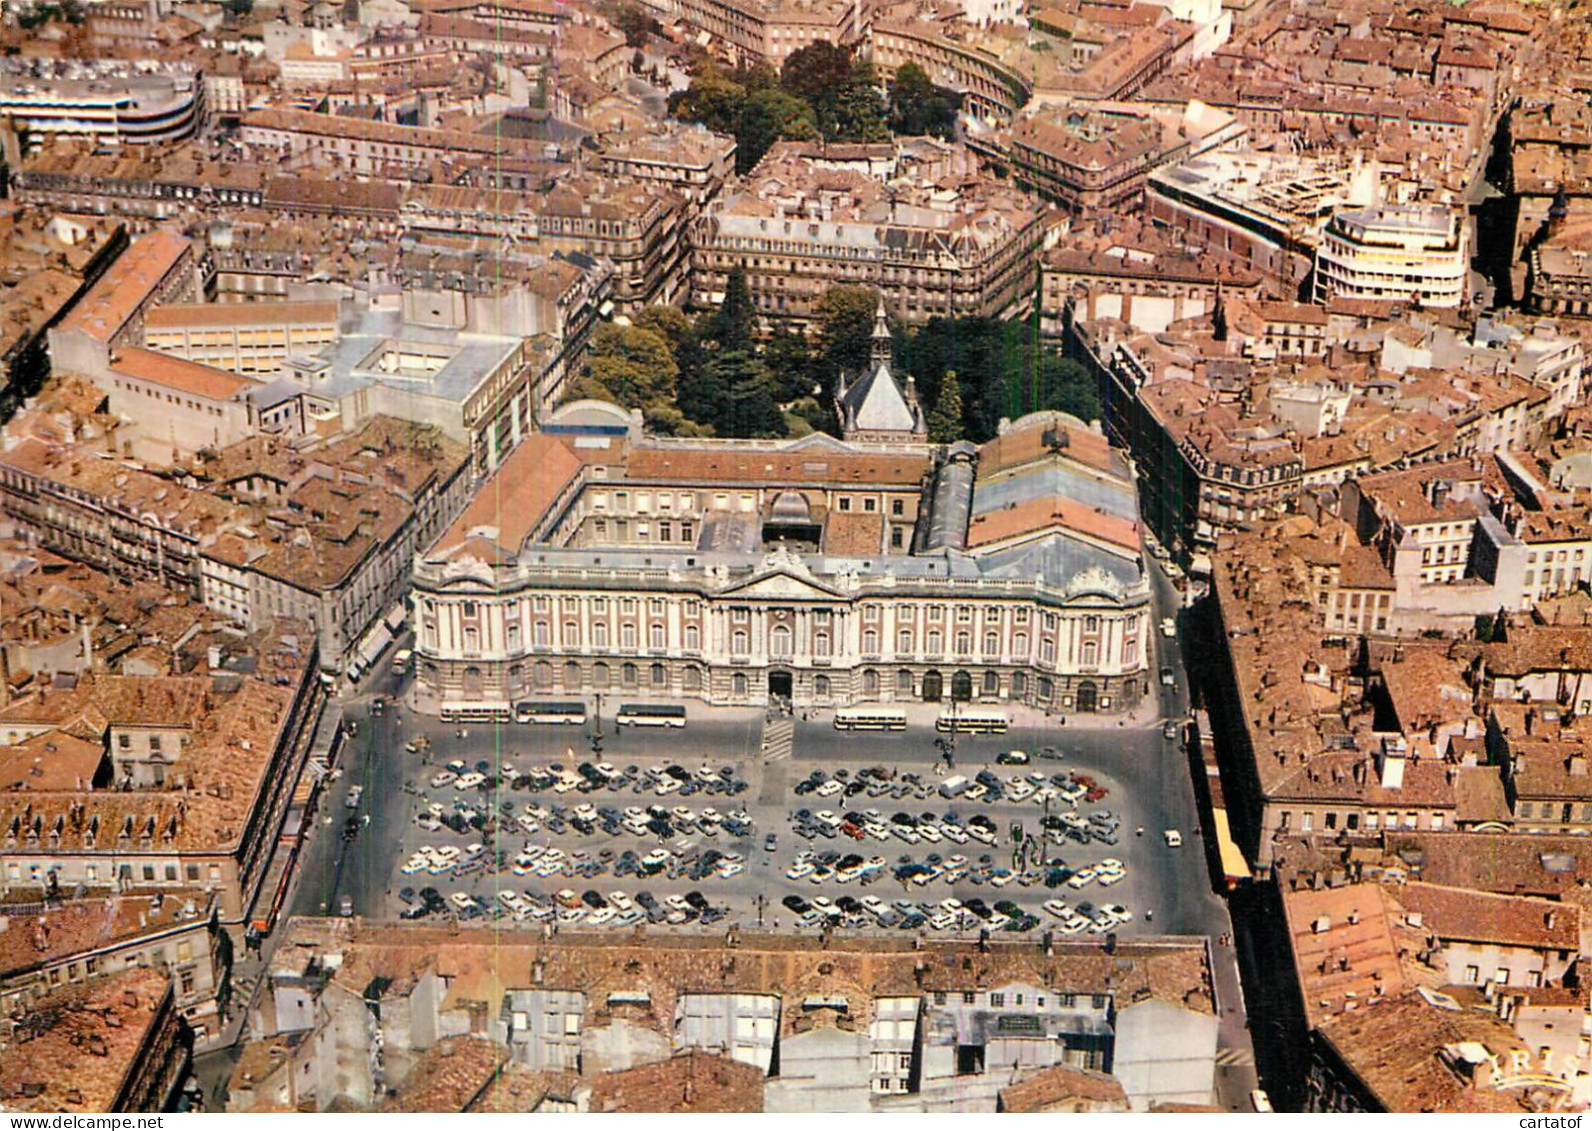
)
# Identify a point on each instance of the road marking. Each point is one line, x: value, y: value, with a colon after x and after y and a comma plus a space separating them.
x: 1235, y: 1058
x: 779, y: 737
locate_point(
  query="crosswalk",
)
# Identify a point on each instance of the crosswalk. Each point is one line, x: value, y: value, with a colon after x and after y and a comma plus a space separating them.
x: 1234, y: 1058
x: 779, y: 737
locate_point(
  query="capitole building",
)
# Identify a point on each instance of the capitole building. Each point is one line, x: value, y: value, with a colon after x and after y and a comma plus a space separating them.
x: 830, y: 572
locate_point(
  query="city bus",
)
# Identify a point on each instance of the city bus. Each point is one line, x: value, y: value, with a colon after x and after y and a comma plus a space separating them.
x: 972, y: 721
x: 651, y: 715
x: 870, y: 718
x: 400, y: 660
x: 572, y: 713
x: 477, y: 713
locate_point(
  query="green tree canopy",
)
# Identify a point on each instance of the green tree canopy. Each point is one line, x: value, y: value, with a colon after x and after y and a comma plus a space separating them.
x: 733, y: 325
x: 750, y: 407
x: 767, y: 116
x: 945, y: 422
x: 629, y: 366
x: 917, y: 106
x: 845, y: 330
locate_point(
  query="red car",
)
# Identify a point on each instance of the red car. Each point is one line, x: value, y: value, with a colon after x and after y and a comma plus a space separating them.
x: 852, y: 830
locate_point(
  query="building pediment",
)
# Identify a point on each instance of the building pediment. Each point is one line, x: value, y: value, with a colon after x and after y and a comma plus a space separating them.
x: 781, y: 585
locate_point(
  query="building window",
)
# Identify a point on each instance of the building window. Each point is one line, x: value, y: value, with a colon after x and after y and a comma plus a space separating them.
x: 655, y: 635
x: 660, y: 677
x: 627, y: 635
x: 693, y: 637
x: 821, y: 686
x: 780, y: 641
x: 738, y: 685
x: 820, y: 643
x: 627, y: 675
x: 739, y: 642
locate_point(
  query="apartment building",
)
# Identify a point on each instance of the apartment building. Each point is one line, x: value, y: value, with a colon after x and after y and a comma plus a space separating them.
x: 769, y: 31
x: 251, y: 339
x: 930, y: 252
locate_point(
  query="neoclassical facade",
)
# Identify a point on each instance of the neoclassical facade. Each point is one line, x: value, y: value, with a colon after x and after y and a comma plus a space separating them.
x: 825, y: 573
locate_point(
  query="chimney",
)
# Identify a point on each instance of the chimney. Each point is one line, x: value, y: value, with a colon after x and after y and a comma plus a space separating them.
x: 5, y: 676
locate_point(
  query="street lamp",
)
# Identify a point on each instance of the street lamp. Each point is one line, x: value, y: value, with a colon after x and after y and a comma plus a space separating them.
x: 597, y: 733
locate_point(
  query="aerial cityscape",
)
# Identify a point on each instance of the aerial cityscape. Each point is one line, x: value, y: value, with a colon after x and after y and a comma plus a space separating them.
x: 900, y: 556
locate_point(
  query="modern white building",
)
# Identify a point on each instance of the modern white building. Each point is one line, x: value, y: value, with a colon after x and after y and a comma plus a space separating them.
x: 111, y: 102
x: 1402, y: 253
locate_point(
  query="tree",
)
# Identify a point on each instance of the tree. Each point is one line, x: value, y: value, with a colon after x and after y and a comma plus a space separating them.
x: 670, y: 323
x: 767, y: 116
x: 858, y: 111
x: 749, y: 406
x: 845, y: 331
x: 945, y: 422
x: 629, y: 366
x: 735, y: 321
x: 790, y: 358
x: 817, y: 72
x: 712, y: 99
x: 917, y: 106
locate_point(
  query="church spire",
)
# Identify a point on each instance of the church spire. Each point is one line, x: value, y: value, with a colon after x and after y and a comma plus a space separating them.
x: 880, y: 346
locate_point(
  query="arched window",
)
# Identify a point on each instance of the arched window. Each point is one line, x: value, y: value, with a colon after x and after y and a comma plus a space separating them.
x: 738, y: 686
x: 693, y: 637
x: 1019, y: 684
x: 472, y: 682
x: 693, y: 679
x: 513, y: 635
x: 660, y: 677
x: 904, y: 640
x: 820, y: 643
x: 1046, y: 687
x: 572, y: 675
x: 779, y: 641
x: 821, y: 686
x: 870, y: 682
x: 1090, y: 655
x: 1020, y: 645
x: 599, y: 676
x: 599, y: 634
x: 627, y: 635
x: 571, y: 634
x: 544, y: 674
x: 992, y: 683
x: 655, y: 636
x: 964, y: 643
x: 934, y: 642
x: 870, y: 642
x: 739, y: 642
x: 627, y: 675
x: 904, y: 682
x: 992, y: 644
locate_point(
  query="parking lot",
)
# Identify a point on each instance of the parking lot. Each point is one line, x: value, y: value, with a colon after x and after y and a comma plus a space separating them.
x: 525, y: 826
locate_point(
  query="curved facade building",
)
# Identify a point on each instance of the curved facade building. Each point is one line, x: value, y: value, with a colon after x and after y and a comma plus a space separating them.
x: 108, y: 102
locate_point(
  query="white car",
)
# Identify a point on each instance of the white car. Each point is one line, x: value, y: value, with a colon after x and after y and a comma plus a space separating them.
x: 906, y: 833
x: 877, y: 830
x: 1118, y: 912
x: 829, y: 788
x: 1073, y: 924
x: 442, y: 778
x: 587, y: 812
x: 675, y: 902
x: 461, y: 900
x: 827, y: 817
x: 1174, y: 839
x: 511, y: 900
x: 1168, y: 627
x: 823, y: 903
x: 954, y: 833
x: 729, y: 869
x: 1019, y: 790
x: 600, y: 916
x: 1083, y: 877
x: 1105, y: 879
x: 981, y: 834
x: 799, y: 871
x: 930, y: 833
x: 873, y: 904
x: 620, y: 900
x: 469, y: 781
x: 656, y: 858
x: 944, y: 921
x: 666, y: 786
x: 527, y: 825
x: 415, y: 863
x: 428, y: 821
x: 951, y: 906
x: 1057, y: 908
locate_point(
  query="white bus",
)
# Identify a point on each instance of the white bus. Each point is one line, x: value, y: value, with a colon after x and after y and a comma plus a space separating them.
x: 566, y: 713
x: 972, y: 721
x: 870, y: 718
x: 400, y: 660
x: 651, y: 715
x: 477, y: 713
